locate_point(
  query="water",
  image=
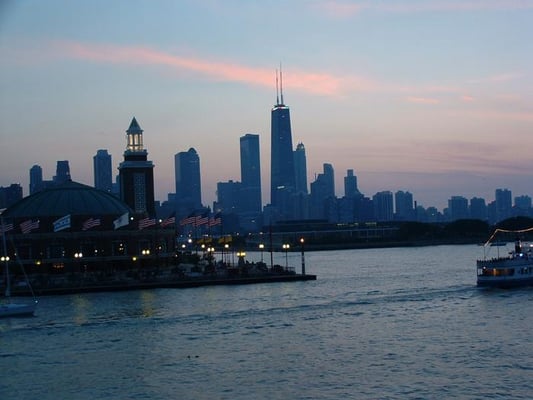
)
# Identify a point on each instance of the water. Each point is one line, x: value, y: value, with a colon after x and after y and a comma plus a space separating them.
x: 404, y: 323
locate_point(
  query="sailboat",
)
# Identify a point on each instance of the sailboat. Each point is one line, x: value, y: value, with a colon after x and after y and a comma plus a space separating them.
x: 9, y: 308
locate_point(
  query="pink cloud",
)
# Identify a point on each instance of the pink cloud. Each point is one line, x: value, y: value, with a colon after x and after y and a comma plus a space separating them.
x: 467, y: 98
x: 422, y: 100
x: 311, y: 82
x: 503, y: 77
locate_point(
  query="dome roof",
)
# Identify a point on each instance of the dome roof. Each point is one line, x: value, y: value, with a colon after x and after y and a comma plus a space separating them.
x: 68, y: 198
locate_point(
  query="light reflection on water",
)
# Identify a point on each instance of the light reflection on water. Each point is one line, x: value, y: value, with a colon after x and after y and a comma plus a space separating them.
x: 380, y: 323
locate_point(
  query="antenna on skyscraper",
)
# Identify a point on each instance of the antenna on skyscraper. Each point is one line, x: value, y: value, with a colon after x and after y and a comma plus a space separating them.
x: 277, y: 93
x: 281, y: 83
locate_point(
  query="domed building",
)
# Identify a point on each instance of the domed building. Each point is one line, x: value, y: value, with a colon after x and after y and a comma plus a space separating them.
x: 83, y: 232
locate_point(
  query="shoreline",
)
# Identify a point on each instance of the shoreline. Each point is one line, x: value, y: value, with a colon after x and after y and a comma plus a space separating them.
x: 162, y: 284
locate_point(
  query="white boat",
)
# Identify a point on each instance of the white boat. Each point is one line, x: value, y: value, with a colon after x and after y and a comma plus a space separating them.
x: 513, y: 270
x: 8, y: 308
x: 17, y: 309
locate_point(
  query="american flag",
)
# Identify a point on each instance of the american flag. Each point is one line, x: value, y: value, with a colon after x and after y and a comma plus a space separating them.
x: 201, y: 220
x: 90, y: 223
x: 6, y: 228
x: 215, y: 221
x: 168, y: 221
x: 29, y: 225
x: 188, y: 220
x: 146, y: 222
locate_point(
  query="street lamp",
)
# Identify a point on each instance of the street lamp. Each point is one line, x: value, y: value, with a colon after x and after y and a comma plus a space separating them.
x: 286, y: 247
x: 210, y: 254
x: 261, y: 247
x: 240, y: 256
x: 303, y: 256
x: 78, y: 256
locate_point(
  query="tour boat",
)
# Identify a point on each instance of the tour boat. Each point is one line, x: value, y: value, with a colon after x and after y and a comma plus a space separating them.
x: 513, y: 270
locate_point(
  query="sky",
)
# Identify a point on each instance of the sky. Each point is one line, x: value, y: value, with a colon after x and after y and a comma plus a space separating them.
x: 430, y: 96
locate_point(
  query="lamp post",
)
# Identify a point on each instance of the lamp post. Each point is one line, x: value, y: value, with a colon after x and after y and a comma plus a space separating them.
x: 286, y: 247
x: 5, y: 259
x: 210, y: 255
x: 145, y: 253
x: 226, y: 247
x: 261, y: 247
x: 240, y: 256
x: 303, y: 255
x: 78, y: 256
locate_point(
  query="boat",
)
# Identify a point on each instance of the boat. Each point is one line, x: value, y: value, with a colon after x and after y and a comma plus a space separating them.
x: 512, y: 270
x: 8, y: 308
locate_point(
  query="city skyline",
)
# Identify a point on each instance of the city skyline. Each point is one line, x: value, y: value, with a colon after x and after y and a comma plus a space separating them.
x: 430, y: 97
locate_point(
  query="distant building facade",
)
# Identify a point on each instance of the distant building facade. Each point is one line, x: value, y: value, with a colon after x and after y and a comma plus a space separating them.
x: 62, y: 172
x: 322, y: 189
x: 404, y: 206
x: 504, y: 204
x: 250, y: 173
x: 458, y: 208
x: 10, y: 195
x: 188, y: 182
x: 350, y: 184
x: 383, y: 206
x: 478, y: 209
x: 300, y: 168
x: 102, y: 166
x: 36, y: 179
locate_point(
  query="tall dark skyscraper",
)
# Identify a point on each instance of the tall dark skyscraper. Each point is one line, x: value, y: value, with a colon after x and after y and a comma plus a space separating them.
x: 282, y: 175
x: 504, y: 203
x: 36, y: 179
x: 350, y: 184
x: 404, y: 205
x: 103, y: 178
x: 62, y: 172
x: 322, y: 189
x: 136, y: 173
x: 300, y: 168
x: 188, y: 182
x: 250, y: 173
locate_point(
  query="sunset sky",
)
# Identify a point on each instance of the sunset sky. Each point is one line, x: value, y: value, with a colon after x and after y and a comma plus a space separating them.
x: 430, y: 96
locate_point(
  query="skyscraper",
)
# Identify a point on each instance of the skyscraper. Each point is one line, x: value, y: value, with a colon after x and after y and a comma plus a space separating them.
x: 322, y: 189
x: 478, y: 209
x: 458, y: 208
x: 383, y: 205
x: 10, y: 195
x: 250, y: 173
x: 282, y: 176
x: 188, y: 182
x: 62, y: 172
x: 300, y: 168
x: 404, y: 205
x: 36, y: 179
x: 136, y: 173
x: 504, y: 204
x: 350, y: 184
x: 103, y: 179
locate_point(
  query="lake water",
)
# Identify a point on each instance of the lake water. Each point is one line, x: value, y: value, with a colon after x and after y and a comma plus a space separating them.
x: 402, y: 323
